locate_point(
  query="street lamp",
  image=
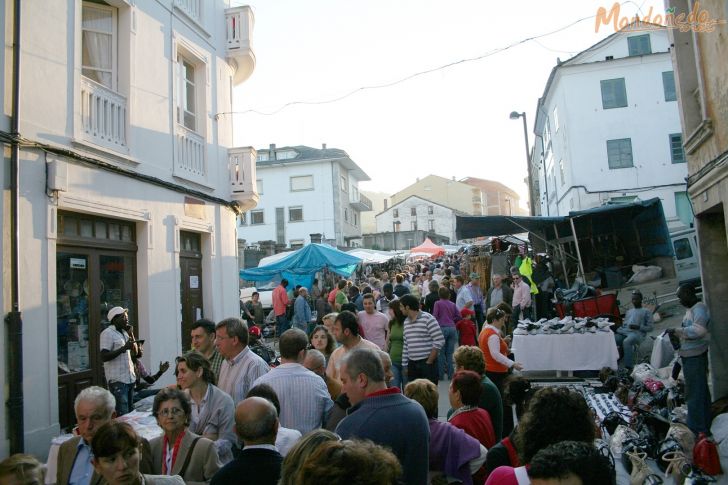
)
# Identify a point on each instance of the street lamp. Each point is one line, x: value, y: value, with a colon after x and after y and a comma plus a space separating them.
x: 514, y: 116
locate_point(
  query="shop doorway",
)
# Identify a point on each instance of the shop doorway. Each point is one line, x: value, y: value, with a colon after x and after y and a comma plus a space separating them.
x: 95, y: 271
x: 190, y: 262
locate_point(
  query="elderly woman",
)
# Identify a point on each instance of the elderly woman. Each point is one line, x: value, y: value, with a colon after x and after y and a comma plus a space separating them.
x: 212, y: 408
x: 116, y: 452
x: 495, y: 348
x: 179, y: 451
x: 464, y: 393
x: 554, y: 414
x: 453, y: 452
x: 322, y: 340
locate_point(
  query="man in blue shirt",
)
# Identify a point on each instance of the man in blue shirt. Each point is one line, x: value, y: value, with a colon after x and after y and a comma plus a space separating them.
x: 637, y: 323
x: 94, y: 407
x: 301, y: 310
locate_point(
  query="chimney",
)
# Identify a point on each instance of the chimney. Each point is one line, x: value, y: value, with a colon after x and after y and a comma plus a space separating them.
x: 386, y: 204
x: 316, y: 238
x: 272, y: 151
x: 323, y: 146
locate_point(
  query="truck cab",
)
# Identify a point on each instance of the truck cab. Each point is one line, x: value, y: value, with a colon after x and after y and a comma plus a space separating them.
x: 687, y: 261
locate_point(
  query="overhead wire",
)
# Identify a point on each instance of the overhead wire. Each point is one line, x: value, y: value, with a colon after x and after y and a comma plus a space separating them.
x: 420, y: 73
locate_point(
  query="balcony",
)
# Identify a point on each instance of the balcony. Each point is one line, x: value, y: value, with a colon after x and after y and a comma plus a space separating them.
x: 189, y: 155
x: 360, y: 202
x: 239, y: 22
x: 103, y: 116
x: 244, y: 191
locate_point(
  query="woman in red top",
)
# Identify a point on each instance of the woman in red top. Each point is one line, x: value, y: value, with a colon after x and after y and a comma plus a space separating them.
x: 495, y: 348
x: 464, y: 397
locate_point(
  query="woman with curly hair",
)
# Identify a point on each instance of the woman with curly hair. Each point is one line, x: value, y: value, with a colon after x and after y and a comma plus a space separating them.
x: 322, y: 340
x: 554, y: 414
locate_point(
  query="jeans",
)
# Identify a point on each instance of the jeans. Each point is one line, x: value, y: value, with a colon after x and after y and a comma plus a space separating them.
x: 420, y: 369
x: 282, y: 324
x: 627, y: 340
x: 444, y: 358
x: 123, y: 393
x: 399, y: 379
x: 695, y: 371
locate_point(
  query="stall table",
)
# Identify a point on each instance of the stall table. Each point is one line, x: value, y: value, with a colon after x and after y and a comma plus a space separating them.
x: 569, y: 352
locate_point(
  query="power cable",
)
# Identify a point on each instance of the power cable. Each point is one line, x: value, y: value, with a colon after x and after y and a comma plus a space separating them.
x: 419, y: 73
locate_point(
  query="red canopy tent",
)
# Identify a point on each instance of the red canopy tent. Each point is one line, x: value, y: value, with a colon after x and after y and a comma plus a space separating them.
x: 429, y: 247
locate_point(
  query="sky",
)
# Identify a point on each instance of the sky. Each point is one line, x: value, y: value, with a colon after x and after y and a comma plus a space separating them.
x: 452, y: 122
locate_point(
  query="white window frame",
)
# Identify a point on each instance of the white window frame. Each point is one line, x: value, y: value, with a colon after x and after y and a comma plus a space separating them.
x: 395, y: 212
x: 290, y: 213
x: 200, y: 60
x: 259, y: 186
x: 114, y: 42
x: 254, y: 213
x: 293, y: 181
x: 430, y: 210
x: 343, y: 184
x: 431, y: 225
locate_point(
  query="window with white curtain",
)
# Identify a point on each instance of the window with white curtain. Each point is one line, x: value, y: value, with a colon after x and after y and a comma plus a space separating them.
x: 187, y: 114
x: 99, y: 43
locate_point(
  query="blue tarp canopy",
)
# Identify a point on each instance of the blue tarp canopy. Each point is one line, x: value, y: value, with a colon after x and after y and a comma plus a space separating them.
x: 300, y: 266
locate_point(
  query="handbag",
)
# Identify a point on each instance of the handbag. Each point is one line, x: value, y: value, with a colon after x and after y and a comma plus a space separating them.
x: 705, y: 455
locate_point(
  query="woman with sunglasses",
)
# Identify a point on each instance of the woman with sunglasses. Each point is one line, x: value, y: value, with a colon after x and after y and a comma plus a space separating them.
x: 495, y: 348
x: 179, y: 451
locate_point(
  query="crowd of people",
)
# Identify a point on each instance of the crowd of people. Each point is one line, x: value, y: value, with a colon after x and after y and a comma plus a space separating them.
x: 353, y: 398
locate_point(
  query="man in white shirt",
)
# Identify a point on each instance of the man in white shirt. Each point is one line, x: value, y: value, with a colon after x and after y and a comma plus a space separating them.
x: 116, y: 350
x: 374, y: 323
x: 464, y: 297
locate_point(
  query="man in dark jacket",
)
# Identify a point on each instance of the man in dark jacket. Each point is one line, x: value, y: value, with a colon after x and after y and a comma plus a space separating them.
x: 256, y: 423
x: 383, y: 415
x: 498, y: 293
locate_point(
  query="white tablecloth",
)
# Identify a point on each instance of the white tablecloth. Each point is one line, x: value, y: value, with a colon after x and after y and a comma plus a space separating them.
x: 587, y: 351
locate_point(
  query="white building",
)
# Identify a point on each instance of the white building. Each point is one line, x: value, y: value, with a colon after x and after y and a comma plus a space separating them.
x: 608, y: 128
x: 306, y: 191
x: 128, y: 187
x: 416, y: 213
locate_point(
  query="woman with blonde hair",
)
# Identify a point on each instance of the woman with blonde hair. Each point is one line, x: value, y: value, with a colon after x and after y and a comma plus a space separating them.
x: 21, y: 469
x: 300, y: 452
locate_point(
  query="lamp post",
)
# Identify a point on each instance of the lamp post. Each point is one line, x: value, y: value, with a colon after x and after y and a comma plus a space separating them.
x: 514, y: 116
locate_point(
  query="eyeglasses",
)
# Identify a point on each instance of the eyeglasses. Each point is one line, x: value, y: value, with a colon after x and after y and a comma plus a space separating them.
x: 167, y: 412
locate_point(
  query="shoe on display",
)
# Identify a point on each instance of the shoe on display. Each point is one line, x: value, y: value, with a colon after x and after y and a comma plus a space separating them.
x: 640, y: 468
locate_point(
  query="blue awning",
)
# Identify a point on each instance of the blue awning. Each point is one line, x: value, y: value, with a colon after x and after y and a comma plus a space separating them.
x: 300, y: 266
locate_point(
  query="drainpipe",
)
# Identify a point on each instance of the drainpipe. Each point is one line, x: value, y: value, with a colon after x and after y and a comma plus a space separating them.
x: 13, y: 319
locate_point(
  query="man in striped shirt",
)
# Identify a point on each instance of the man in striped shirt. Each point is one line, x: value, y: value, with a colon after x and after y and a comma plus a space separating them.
x: 423, y: 340
x: 304, y: 398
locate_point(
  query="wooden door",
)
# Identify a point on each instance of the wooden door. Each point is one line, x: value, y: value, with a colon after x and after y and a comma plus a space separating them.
x: 190, y: 262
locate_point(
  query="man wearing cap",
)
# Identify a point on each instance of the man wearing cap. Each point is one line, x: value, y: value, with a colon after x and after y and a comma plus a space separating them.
x: 637, y: 323
x: 477, y: 293
x: 116, y: 350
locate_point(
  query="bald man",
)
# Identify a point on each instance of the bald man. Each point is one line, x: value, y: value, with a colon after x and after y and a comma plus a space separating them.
x: 256, y: 423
